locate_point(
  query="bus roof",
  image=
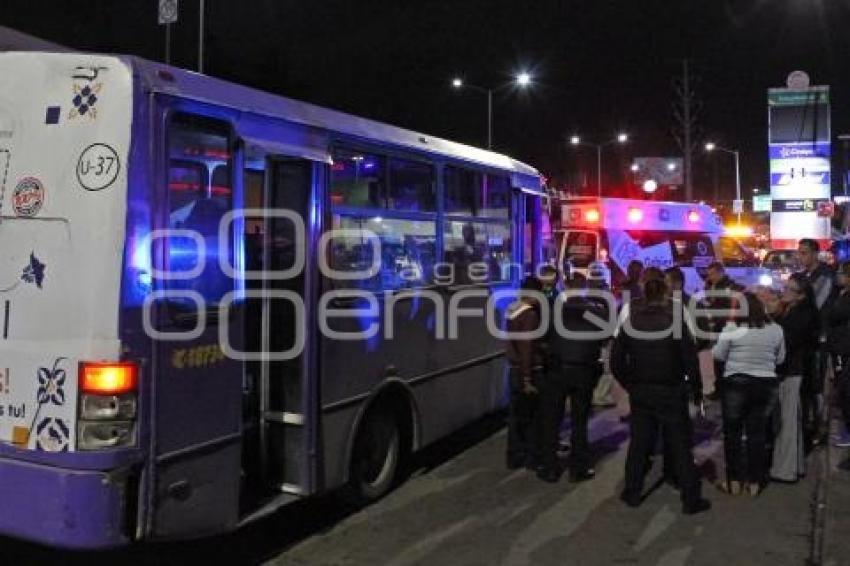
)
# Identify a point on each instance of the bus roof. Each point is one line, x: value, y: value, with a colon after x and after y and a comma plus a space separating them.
x: 634, y: 214
x: 158, y: 77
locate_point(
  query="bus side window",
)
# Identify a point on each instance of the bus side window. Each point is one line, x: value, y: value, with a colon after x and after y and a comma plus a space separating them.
x: 477, y: 238
x: 534, y: 231
x: 358, y: 179
x: 411, y: 186
x: 199, y: 195
x: 254, y: 227
x: 398, y: 207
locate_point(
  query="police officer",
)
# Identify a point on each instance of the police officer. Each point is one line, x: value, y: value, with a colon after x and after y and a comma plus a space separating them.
x: 598, y: 276
x: 525, y: 364
x: 652, y: 362
x: 572, y: 370
x: 822, y: 280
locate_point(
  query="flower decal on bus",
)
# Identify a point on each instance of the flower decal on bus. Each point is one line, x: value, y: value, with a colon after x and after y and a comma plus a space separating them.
x: 34, y: 272
x: 85, y: 98
x: 52, y: 435
x: 51, y: 384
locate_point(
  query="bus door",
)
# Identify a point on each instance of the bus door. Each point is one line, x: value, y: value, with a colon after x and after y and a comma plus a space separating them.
x: 278, y: 415
x: 196, y: 430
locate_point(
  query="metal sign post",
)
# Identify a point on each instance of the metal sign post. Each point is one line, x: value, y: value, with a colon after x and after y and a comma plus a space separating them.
x: 201, y: 39
x: 168, y: 10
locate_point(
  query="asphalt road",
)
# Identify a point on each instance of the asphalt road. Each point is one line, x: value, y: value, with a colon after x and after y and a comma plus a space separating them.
x: 462, y: 507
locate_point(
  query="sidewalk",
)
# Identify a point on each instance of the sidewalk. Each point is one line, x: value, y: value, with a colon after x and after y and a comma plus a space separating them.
x: 836, y: 535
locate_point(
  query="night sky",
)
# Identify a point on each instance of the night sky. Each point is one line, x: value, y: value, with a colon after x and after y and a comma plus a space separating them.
x: 600, y: 66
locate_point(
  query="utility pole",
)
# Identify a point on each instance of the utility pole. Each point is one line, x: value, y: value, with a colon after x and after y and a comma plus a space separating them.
x: 845, y: 171
x: 685, y: 113
x: 201, y: 38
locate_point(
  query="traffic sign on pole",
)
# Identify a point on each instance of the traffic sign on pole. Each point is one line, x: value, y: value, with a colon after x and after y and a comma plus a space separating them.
x: 168, y: 11
x: 737, y: 206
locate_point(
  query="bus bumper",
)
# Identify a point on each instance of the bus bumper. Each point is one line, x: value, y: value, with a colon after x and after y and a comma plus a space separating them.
x: 62, y: 507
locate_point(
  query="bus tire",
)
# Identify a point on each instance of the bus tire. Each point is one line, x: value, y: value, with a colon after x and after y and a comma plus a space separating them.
x: 375, y: 459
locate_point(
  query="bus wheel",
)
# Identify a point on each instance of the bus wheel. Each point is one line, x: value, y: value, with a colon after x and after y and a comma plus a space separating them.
x: 375, y: 459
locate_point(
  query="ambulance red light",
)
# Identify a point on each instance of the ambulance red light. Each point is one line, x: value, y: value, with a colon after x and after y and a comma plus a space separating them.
x: 693, y: 216
x: 591, y: 215
x: 635, y: 215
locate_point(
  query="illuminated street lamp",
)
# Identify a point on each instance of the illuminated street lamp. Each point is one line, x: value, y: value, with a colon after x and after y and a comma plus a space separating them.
x: 711, y: 147
x: 522, y: 80
x: 621, y: 138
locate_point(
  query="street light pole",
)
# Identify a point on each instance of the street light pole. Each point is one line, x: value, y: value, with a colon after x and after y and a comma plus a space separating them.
x: 621, y: 139
x: 738, y: 184
x: 710, y: 146
x: 599, y: 171
x: 201, y: 38
x: 490, y: 118
x: 522, y: 80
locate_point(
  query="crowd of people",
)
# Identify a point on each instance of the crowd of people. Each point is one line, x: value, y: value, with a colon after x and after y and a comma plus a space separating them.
x: 771, y: 350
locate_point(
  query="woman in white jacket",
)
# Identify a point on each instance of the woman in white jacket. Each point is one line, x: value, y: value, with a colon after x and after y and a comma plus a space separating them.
x: 751, y: 346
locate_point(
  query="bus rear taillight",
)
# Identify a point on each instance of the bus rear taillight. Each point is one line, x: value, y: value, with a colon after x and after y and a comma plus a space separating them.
x: 107, y: 415
x: 591, y: 215
x: 108, y: 378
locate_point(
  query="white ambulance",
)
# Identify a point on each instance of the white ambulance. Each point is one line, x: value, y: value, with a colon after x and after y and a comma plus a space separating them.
x: 616, y: 231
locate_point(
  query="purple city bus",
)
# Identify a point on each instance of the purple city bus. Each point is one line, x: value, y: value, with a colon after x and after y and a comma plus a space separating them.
x: 215, y: 301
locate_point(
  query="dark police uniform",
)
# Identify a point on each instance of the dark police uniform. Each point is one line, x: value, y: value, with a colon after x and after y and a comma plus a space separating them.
x: 573, y: 369
x: 653, y: 371
x: 525, y: 362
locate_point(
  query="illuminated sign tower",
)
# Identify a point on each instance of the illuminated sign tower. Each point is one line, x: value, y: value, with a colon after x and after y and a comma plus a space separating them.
x: 799, y: 151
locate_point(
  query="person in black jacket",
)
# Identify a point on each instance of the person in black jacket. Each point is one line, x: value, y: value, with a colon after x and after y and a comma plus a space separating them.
x: 525, y: 363
x: 573, y: 369
x: 651, y: 363
x: 799, y: 321
x: 821, y: 279
x: 838, y: 344
x: 634, y: 278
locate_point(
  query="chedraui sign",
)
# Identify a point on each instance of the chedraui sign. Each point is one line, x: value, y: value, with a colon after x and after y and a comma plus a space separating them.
x: 799, y: 153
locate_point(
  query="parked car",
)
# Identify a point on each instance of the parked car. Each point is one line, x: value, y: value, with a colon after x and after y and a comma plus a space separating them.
x: 781, y: 264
